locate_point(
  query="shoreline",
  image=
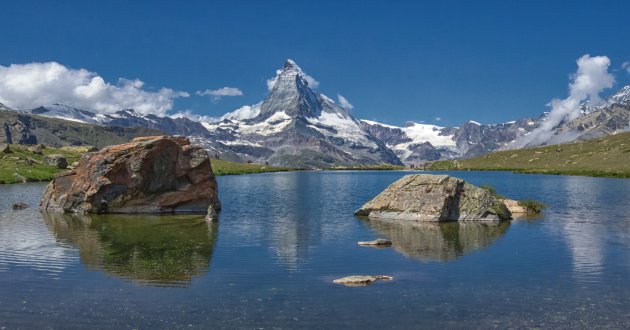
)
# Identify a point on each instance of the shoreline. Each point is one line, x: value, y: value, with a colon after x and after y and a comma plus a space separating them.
x: 277, y: 170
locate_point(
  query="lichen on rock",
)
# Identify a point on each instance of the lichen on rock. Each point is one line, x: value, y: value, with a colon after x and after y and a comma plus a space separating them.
x: 426, y: 197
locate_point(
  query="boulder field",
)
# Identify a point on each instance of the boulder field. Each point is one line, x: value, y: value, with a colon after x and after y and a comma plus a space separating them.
x: 426, y: 197
x: 154, y: 174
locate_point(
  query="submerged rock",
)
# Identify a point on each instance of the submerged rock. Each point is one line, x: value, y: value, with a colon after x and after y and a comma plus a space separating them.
x: 379, y: 242
x: 19, y: 206
x: 155, y: 174
x: 361, y: 280
x: 57, y: 160
x: 426, y: 197
x: 514, y: 206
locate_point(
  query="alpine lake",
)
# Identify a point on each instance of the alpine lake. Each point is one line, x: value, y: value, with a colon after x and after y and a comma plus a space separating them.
x: 281, y: 240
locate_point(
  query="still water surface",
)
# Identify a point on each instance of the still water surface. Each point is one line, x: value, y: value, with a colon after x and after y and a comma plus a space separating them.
x: 283, y: 237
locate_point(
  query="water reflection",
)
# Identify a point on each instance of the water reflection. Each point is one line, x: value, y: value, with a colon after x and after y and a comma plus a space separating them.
x: 446, y: 241
x: 582, y: 228
x: 154, y: 250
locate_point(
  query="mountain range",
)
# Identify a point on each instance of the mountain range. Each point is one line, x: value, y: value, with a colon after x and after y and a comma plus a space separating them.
x: 298, y: 127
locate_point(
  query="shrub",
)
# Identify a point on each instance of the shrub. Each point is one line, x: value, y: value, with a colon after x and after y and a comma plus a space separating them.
x: 532, y: 205
x: 491, y: 190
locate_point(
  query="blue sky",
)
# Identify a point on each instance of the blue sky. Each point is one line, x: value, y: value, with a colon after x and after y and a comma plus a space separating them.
x: 491, y: 61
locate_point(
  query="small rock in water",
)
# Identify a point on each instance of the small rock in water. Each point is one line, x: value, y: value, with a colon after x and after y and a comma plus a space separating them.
x: 361, y: 280
x: 379, y: 242
x: 514, y: 206
x: 19, y: 206
x: 212, y: 215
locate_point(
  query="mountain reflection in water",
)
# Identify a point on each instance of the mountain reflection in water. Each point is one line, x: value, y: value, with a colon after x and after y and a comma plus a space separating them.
x: 443, y: 241
x: 151, y: 250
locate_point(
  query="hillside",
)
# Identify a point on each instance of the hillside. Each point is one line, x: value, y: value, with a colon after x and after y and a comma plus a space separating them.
x: 21, y: 128
x: 224, y: 167
x: 608, y: 157
x: 14, y: 167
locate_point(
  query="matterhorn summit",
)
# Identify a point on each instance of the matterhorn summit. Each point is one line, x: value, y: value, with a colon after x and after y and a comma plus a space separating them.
x: 295, y: 126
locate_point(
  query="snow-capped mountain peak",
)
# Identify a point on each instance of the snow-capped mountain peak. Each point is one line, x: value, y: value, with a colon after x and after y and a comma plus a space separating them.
x: 622, y: 97
x: 295, y: 126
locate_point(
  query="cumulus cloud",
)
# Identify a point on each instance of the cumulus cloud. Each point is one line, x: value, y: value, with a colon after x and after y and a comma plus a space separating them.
x: 244, y: 112
x: 437, y: 118
x: 221, y: 92
x: 35, y: 84
x: 193, y: 116
x: 626, y: 66
x: 591, y: 78
x: 343, y: 102
x: 312, y: 83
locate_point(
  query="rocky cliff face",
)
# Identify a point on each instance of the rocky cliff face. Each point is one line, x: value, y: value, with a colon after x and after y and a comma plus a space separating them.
x: 607, y: 120
x: 158, y: 174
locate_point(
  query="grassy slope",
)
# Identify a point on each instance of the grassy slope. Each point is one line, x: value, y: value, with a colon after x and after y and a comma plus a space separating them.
x: 380, y: 167
x: 608, y: 157
x: 224, y: 167
x: 13, y: 167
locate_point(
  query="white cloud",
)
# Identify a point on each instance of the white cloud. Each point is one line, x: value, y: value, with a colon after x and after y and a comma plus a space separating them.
x: 193, y: 116
x: 35, y: 84
x: 626, y: 66
x: 221, y: 92
x: 272, y: 81
x: 312, y: 83
x: 437, y: 118
x: 590, y: 79
x: 343, y: 102
x: 244, y: 112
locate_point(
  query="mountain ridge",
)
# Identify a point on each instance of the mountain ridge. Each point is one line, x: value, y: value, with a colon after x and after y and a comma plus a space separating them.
x: 294, y: 126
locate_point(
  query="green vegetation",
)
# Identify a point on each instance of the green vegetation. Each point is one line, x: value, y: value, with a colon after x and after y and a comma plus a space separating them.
x: 14, y: 166
x: 604, y: 157
x: 532, y: 205
x: 491, y: 190
x: 224, y: 167
x: 379, y: 167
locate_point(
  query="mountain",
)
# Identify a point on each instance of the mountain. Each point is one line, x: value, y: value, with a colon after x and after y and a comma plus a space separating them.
x: 130, y: 118
x: 297, y: 127
x: 420, y: 142
x: 610, y: 117
x: 24, y: 128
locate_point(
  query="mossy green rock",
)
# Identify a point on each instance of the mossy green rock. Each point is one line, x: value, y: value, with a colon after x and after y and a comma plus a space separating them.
x: 426, y: 197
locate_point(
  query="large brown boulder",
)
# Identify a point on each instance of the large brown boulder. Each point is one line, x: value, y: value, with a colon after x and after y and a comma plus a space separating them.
x: 155, y: 174
x: 426, y: 197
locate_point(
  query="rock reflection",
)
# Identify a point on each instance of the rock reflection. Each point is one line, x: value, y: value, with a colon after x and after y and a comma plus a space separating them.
x: 152, y: 250
x: 428, y: 241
